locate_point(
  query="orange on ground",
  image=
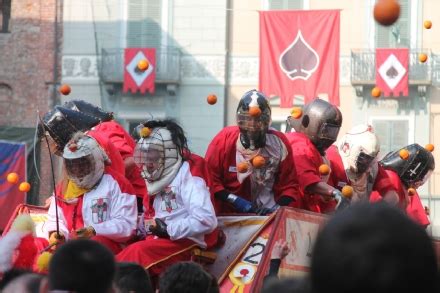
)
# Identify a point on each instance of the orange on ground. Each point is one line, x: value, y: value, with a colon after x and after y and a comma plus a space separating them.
x: 404, y: 154
x: 242, y: 167
x: 386, y: 12
x: 376, y: 92
x: 324, y: 169
x: 258, y: 162
x: 429, y: 147
x: 145, y: 132
x: 24, y: 187
x: 12, y: 178
x: 143, y: 65
x: 423, y: 57
x: 254, y: 111
x: 296, y: 112
x: 411, y: 191
x: 347, y: 191
x: 65, y: 89
x: 211, y: 99
x: 427, y: 24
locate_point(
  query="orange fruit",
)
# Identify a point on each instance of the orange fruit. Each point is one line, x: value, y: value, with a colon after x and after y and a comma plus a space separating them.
x: 145, y: 132
x: 258, y: 162
x: 296, y: 112
x: 143, y: 65
x: 324, y: 169
x: 423, y: 57
x: 386, y: 12
x: 411, y: 191
x: 65, y: 89
x: 427, y: 24
x: 254, y: 111
x: 12, y: 178
x: 242, y: 167
x: 376, y: 92
x: 347, y: 191
x: 404, y: 154
x: 24, y: 187
x: 212, y: 99
x: 429, y: 147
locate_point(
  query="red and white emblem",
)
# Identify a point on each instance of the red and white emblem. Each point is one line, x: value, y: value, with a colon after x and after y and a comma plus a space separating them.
x: 99, y: 210
x: 392, y: 71
x: 135, y: 79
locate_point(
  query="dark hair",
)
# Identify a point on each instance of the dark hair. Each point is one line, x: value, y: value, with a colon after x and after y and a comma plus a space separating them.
x: 177, y: 134
x: 28, y: 282
x: 296, y: 285
x: 82, y: 266
x: 187, y: 277
x: 373, y: 248
x: 131, y: 277
x: 10, y: 275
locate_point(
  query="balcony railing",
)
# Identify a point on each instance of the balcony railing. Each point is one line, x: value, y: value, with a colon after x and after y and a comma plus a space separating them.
x: 363, y: 68
x: 167, y: 65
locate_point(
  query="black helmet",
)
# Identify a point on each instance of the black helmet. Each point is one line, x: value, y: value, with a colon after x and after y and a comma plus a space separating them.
x: 61, y: 123
x: 90, y: 109
x: 253, y: 129
x: 413, y: 171
x: 320, y: 121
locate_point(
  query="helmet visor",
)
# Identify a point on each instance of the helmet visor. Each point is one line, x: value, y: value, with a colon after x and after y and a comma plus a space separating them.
x: 78, y: 169
x: 150, y: 159
x: 329, y: 131
x: 363, y: 162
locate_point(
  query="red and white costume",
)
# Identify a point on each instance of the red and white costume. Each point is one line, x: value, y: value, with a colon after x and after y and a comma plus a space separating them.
x: 376, y: 180
x: 261, y: 186
x: 412, y: 204
x: 185, y: 206
x: 307, y: 162
x: 110, y: 208
x: 125, y: 145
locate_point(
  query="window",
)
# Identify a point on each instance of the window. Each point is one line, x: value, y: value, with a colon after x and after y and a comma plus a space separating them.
x: 393, y: 134
x: 285, y: 4
x: 399, y: 34
x: 5, y: 15
x: 144, y: 23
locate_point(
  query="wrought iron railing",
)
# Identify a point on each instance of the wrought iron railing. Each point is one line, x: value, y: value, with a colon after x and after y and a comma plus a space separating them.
x: 167, y: 65
x: 363, y: 67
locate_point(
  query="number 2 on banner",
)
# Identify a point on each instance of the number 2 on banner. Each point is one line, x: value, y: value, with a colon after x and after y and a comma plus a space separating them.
x: 255, y: 251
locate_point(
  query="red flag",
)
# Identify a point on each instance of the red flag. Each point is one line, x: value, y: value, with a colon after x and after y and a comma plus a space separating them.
x: 392, y: 71
x: 12, y: 159
x: 135, y: 79
x: 299, y: 54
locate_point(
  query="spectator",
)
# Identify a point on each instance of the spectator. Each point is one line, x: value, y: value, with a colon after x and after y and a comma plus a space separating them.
x: 26, y: 283
x: 10, y: 275
x: 131, y: 277
x: 187, y: 277
x: 293, y: 285
x: 82, y: 266
x: 373, y: 248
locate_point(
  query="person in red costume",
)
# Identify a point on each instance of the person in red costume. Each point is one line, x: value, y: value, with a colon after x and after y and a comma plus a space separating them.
x: 239, y: 183
x: 178, y: 215
x: 354, y: 162
x: 409, y: 174
x: 314, y: 132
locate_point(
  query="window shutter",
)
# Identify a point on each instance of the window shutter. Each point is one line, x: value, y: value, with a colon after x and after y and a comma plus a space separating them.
x: 392, y: 134
x: 399, y: 34
x: 285, y: 4
x: 144, y: 23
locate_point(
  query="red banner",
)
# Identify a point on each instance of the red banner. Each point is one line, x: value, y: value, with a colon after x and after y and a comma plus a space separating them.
x: 135, y: 79
x: 12, y: 160
x: 299, y: 55
x: 392, y: 71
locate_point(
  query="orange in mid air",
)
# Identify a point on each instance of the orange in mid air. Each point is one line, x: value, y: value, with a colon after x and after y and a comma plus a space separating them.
x: 427, y: 24
x: 324, y: 169
x: 258, y: 162
x: 143, y: 65
x: 386, y: 12
x: 404, y: 154
x: 145, y: 132
x: 296, y: 112
x: 24, y: 187
x: 12, y: 178
x: 65, y: 89
x: 376, y: 92
x: 211, y: 99
x: 423, y: 57
x: 242, y: 167
x: 429, y: 147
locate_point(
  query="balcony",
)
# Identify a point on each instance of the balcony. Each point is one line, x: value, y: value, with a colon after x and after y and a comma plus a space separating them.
x: 167, y: 65
x: 363, y: 68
